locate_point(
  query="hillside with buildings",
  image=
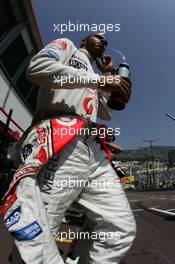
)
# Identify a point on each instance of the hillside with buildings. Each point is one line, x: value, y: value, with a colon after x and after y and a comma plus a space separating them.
x: 142, y: 154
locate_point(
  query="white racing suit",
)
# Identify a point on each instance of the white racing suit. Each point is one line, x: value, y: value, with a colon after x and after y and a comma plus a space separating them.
x: 60, y: 168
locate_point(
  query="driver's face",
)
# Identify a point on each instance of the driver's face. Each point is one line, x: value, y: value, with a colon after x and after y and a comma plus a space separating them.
x: 96, y: 45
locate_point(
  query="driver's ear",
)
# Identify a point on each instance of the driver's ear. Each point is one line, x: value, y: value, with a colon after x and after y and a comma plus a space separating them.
x: 83, y: 42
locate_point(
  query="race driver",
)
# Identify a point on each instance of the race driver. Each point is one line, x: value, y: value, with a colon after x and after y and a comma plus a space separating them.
x: 55, y: 151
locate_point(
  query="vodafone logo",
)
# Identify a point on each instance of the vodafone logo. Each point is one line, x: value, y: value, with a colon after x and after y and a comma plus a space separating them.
x: 87, y: 105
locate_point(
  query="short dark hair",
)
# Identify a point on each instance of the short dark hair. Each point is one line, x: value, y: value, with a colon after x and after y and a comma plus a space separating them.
x: 85, y: 39
x: 89, y: 36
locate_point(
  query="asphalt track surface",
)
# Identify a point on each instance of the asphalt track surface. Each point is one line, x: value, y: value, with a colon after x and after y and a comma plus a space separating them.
x: 155, y: 217
x: 155, y: 241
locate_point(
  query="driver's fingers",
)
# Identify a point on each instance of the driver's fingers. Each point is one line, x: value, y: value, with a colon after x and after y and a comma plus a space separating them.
x: 125, y: 90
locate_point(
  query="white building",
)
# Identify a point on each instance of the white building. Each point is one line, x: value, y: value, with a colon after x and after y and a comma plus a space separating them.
x: 19, y: 41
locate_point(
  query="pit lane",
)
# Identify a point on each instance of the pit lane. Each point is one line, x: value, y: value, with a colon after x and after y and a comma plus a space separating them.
x: 155, y: 217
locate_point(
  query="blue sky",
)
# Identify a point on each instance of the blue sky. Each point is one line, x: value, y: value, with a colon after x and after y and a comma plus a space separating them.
x: 147, y: 38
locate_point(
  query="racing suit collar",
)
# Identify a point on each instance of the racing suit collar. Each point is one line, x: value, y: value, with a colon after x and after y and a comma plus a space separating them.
x: 87, y: 54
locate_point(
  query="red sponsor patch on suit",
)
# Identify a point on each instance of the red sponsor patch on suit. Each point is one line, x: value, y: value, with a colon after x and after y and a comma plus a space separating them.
x: 8, y: 203
x: 41, y: 155
x: 61, y: 43
x: 64, y: 130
